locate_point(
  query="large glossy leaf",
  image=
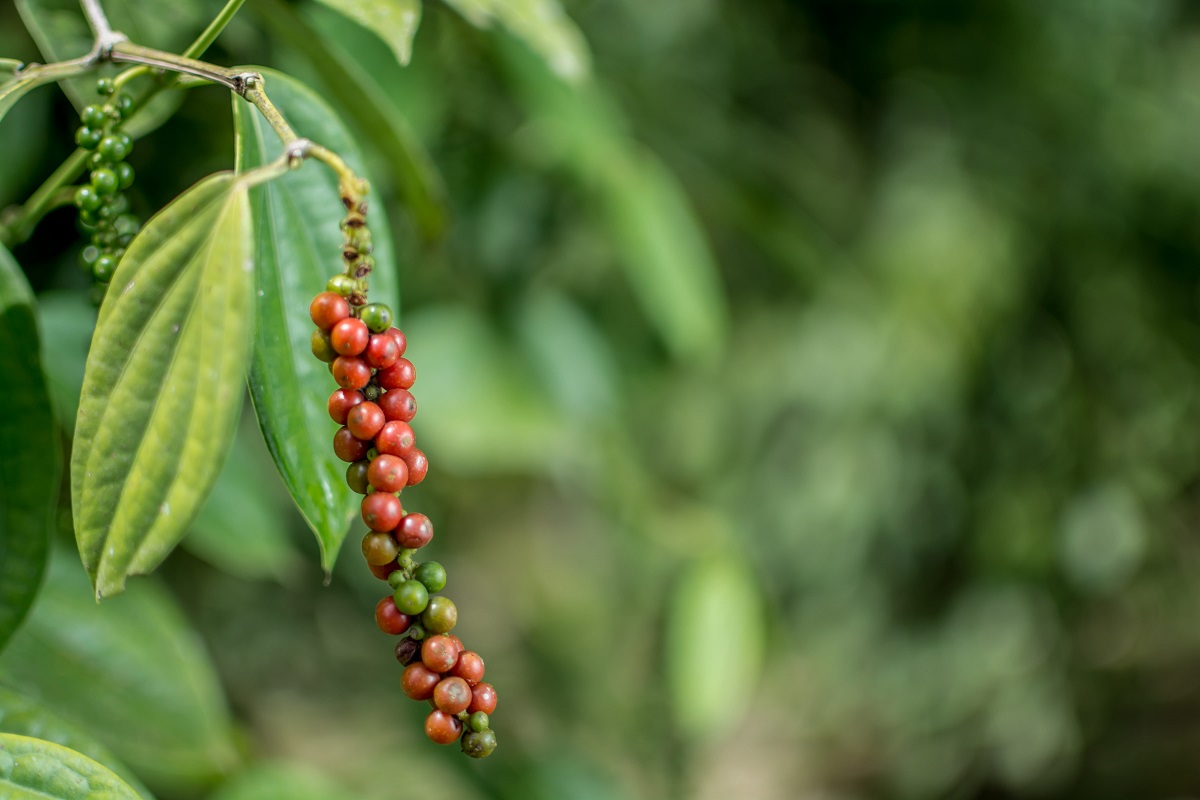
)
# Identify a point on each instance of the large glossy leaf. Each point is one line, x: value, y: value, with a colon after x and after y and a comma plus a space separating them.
x: 541, y: 24
x: 33, y: 769
x: 24, y: 717
x: 710, y: 676
x: 163, y: 386
x: 61, y: 32
x: 297, y: 248
x: 394, y: 21
x: 129, y: 671
x: 13, y: 89
x: 29, y: 470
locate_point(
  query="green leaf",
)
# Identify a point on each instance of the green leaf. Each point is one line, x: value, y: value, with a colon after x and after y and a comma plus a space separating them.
x: 36, y: 769
x: 131, y: 672
x: 711, y: 670
x: 24, y: 717
x: 29, y: 470
x: 14, y: 89
x: 298, y: 246
x: 394, y: 21
x: 61, y: 32
x: 541, y: 24
x: 162, y: 390
x: 242, y: 528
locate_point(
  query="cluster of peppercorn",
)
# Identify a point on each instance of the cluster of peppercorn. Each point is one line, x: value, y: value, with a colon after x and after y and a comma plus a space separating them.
x: 374, y: 407
x: 103, y: 207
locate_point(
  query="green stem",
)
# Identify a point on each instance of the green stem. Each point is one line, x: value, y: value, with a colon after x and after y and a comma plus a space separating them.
x: 210, y: 34
x: 24, y: 218
x: 130, y: 53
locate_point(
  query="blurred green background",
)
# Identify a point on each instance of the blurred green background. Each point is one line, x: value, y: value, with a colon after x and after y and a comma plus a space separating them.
x: 810, y: 392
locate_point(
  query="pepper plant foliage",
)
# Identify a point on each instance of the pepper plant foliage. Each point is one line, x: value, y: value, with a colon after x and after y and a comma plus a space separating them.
x: 208, y: 295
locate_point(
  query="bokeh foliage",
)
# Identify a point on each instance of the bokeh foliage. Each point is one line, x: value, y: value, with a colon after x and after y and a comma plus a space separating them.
x: 809, y: 393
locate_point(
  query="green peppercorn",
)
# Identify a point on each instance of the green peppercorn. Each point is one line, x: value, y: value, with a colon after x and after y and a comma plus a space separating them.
x: 88, y: 138
x: 127, y: 223
x: 478, y: 722
x: 93, y: 116
x: 322, y: 348
x: 124, y: 174
x: 112, y: 147
x: 440, y: 616
x: 105, y: 87
x: 341, y: 284
x: 411, y: 597
x: 123, y: 103
x: 104, y: 268
x: 87, y: 258
x: 87, y: 199
x: 104, y: 180
x: 377, y: 316
x: 479, y: 744
x: 432, y: 575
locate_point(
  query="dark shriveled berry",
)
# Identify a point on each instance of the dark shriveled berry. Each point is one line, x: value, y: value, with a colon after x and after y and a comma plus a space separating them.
x: 442, y: 728
x: 389, y: 619
x: 379, y: 549
x: 407, y: 651
x: 418, y: 681
x: 356, y: 476
x: 415, y: 531
x: 440, y: 616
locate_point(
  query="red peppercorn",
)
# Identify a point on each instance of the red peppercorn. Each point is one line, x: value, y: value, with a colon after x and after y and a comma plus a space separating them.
x: 398, y: 335
x: 415, y: 531
x: 401, y: 375
x: 399, y: 404
x: 469, y: 667
x: 389, y: 619
x: 328, y: 309
x: 381, y: 511
x: 418, y: 681
x: 438, y: 653
x: 457, y: 642
x: 340, y: 403
x: 383, y: 572
x: 388, y: 473
x: 365, y: 420
x: 382, y: 351
x: 418, y: 465
x: 395, y: 438
x: 349, y: 336
x: 350, y: 372
x: 347, y: 448
x: 483, y: 698
x: 442, y: 727
x: 452, y: 695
